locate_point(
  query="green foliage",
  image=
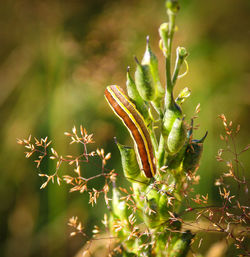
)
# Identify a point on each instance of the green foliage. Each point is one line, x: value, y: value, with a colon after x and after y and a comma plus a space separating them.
x: 157, y: 201
x: 154, y: 222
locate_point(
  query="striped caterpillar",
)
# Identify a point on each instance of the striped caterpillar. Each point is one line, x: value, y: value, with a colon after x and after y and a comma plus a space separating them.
x: 135, y: 123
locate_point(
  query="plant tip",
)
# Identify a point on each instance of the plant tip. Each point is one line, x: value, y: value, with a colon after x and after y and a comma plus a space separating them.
x: 137, y: 61
x: 204, y: 137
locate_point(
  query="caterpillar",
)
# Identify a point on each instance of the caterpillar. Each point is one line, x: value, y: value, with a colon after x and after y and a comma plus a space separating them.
x: 135, y: 124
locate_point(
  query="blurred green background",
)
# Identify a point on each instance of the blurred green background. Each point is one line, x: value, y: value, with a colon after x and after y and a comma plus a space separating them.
x: 56, y: 58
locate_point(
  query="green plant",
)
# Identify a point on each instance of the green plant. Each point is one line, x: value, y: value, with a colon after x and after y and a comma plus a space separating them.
x: 155, y: 199
x: 147, y: 219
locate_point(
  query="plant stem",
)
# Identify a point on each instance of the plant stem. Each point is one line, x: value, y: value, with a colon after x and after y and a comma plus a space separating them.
x: 169, y: 85
x: 168, y: 93
x: 176, y: 70
x: 169, y: 100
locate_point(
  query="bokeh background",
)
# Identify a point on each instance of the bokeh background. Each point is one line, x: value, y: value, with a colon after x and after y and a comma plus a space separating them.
x: 56, y: 58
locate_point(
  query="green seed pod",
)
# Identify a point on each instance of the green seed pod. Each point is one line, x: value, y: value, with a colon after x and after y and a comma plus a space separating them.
x: 181, y: 246
x: 174, y: 161
x: 193, y: 155
x: 151, y: 220
x: 160, y: 244
x: 133, y: 246
x: 169, y: 118
x: 151, y: 215
x: 176, y: 226
x: 151, y: 60
x: 144, y: 82
x: 165, y: 236
x: 139, y: 194
x: 152, y: 193
x: 163, y: 31
x: 164, y: 207
x: 130, y: 165
x: 136, y: 98
x: 177, y: 136
x: 119, y: 207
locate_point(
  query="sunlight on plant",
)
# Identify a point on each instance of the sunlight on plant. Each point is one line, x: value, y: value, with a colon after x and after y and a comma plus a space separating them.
x: 151, y: 216
x: 77, y: 182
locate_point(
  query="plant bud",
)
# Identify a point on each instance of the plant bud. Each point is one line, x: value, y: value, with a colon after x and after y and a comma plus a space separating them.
x: 163, y: 31
x: 183, y: 95
x: 177, y: 136
x: 136, y: 98
x: 193, y: 155
x: 151, y: 60
x: 130, y: 165
x: 131, y: 88
x: 173, y: 5
x: 181, y: 52
x: 144, y: 82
